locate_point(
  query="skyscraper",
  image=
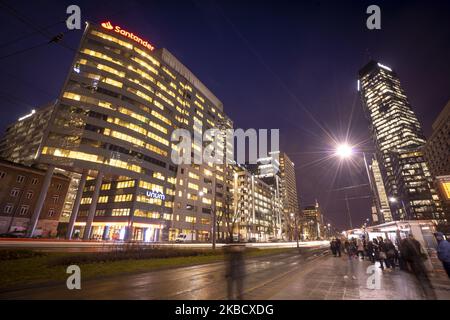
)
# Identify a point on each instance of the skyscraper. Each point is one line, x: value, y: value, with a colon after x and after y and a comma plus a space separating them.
x: 398, y: 140
x: 112, y: 125
x: 288, y: 193
x: 437, y: 153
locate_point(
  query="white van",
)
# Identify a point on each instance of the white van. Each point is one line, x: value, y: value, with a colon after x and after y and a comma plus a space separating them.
x: 183, y: 237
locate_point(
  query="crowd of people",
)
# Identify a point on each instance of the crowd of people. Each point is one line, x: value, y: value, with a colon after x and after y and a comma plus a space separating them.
x: 407, y: 254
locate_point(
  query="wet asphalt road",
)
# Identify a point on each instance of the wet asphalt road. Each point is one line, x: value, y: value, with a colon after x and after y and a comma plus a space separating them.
x: 194, y: 282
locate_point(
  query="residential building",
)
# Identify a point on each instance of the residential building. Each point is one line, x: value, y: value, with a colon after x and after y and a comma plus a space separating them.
x: 20, y: 188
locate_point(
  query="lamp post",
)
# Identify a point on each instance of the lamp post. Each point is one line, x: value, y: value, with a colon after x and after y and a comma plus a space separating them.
x: 345, y: 151
x: 395, y: 200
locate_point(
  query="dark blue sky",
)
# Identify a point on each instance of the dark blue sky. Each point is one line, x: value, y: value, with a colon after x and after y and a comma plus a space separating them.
x: 274, y: 64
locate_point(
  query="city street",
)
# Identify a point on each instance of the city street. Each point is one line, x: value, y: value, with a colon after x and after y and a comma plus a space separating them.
x: 313, y: 274
x: 101, y: 246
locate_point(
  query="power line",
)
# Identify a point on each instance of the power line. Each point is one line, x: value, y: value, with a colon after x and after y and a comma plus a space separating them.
x: 23, y: 50
x: 32, y: 25
x: 11, y: 42
x: 349, y: 187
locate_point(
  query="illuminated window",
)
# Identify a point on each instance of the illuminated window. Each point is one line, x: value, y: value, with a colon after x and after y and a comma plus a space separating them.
x: 86, y: 200
x: 192, y: 186
x: 125, y: 184
x: 103, y: 199
x: 112, y: 39
x: 106, y: 186
x: 123, y: 198
x: 120, y: 212
x: 191, y: 219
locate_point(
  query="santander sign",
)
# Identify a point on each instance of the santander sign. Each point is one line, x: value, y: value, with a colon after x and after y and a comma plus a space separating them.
x: 118, y: 29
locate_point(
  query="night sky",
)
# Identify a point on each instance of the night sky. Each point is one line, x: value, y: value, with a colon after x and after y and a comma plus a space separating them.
x: 288, y: 65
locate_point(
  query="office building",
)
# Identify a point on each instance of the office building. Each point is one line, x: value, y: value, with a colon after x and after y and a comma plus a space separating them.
x: 289, y: 195
x: 112, y: 127
x: 312, y: 222
x: 437, y: 153
x: 398, y: 138
x: 379, y: 193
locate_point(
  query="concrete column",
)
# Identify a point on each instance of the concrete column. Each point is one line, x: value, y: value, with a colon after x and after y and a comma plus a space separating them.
x: 93, y: 206
x: 40, y: 202
x: 76, y: 205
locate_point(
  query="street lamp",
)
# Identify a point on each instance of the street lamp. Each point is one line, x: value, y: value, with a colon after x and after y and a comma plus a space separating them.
x: 344, y: 150
x: 395, y: 200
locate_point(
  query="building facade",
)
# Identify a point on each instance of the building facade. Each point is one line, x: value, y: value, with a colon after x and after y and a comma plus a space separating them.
x: 312, y: 222
x: 112, y: 126
x: 255, y: 205
x: 20, y: 187
x: 397, y: 136
x: 437, y: 153
x: 380, y: 193
x: 22, y: 139
x: 289, y: 195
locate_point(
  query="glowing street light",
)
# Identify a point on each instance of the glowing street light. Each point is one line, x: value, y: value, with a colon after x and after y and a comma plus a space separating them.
x: 344, y: 151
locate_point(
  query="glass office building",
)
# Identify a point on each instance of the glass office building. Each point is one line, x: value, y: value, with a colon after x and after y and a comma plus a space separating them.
x: 398, y: 140
x: 112, y: 126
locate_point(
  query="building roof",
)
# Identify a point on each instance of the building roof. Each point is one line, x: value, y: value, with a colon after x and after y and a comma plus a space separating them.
x: 20, y: 166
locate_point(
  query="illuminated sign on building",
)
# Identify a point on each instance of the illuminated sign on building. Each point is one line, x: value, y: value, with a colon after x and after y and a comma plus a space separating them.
x: 156, y: 195
x: 132, y: 36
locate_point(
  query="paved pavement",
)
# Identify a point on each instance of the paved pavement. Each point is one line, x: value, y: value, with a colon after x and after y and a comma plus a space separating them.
x: 342, y: 279
x: 310, y: 275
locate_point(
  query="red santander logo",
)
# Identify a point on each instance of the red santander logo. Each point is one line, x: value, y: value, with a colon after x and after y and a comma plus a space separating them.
x: 107, y: 25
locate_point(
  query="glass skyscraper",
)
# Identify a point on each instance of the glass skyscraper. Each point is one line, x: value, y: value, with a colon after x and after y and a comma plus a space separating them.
x: 399, y: 140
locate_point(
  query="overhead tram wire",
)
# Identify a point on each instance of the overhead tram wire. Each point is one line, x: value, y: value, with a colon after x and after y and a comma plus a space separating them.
x: 28, y: 22
x: 23, y: 37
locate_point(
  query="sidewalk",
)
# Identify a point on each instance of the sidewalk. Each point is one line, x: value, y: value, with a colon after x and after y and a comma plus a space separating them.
x: 330, y: 278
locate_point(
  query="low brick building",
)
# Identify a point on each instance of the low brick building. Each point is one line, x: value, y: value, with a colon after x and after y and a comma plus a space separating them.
x: 19, y: 191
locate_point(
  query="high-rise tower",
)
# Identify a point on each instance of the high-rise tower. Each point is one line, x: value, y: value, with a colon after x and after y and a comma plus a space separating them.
x: 398, y: 139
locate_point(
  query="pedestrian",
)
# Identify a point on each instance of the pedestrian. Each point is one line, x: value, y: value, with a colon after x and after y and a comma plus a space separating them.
x: 391, y: 254
x: 333, y: 246
x: 235, y: 270
x: 347, y: 247
x: 443, y: 251
x: 414, y: 255
x: 338, y: 247
x: 382, y: 256
x: 370, y: 251
x: 360, y: 248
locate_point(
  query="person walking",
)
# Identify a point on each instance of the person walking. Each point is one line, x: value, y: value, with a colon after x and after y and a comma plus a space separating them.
x: 235, y: 270
x: 382, y: 256
x: 333, y: 247
x: 413, y: 253
x: 338, y: 247
x: 360, y: 248
x: 391, y: 253
x: 443, y: 251
x: 370, y: 251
